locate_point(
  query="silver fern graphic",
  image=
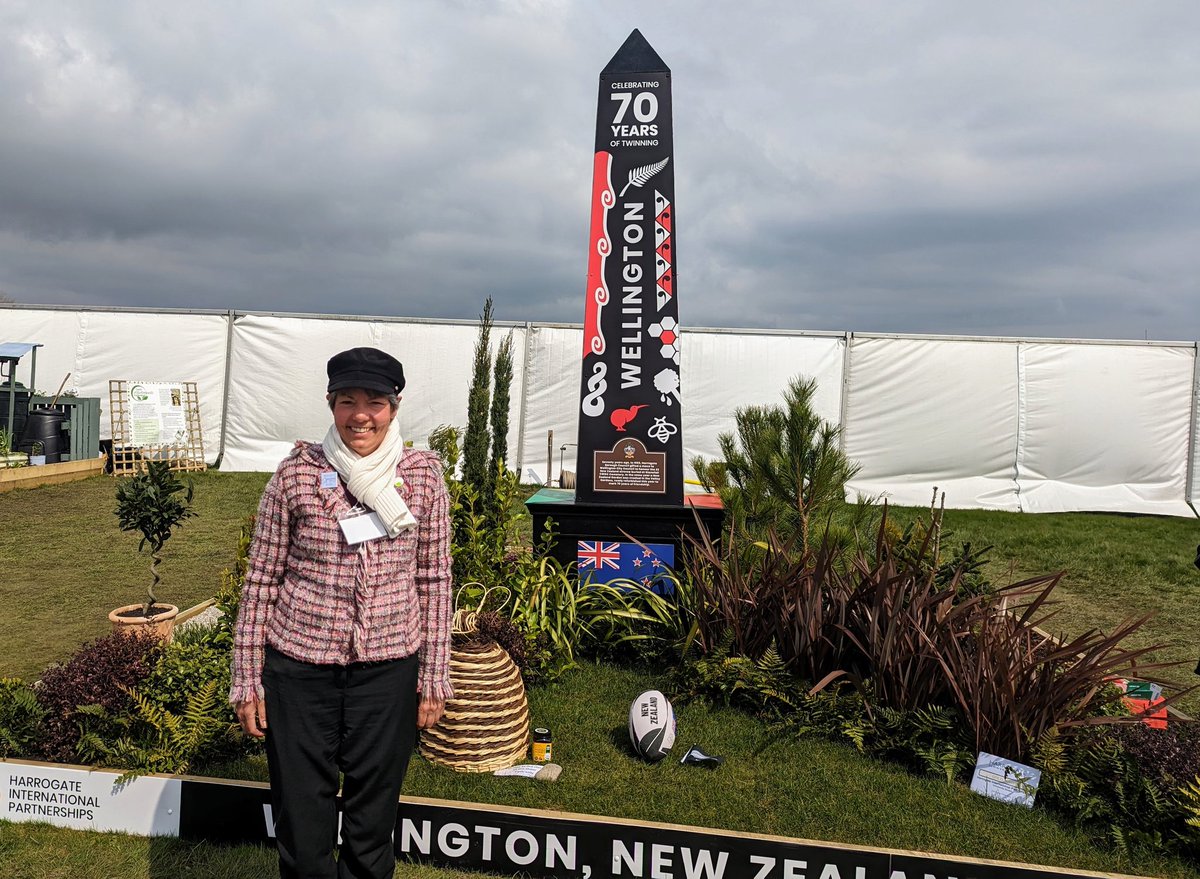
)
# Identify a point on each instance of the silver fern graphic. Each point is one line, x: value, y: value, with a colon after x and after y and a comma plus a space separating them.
x: 639, y: 176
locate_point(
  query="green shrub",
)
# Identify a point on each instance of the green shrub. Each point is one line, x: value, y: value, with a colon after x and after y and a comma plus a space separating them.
x: 486, y: 549
x: 561, y: 619
x: 20, y: 718
x: 229, y: 595
x: 444, y: 441
x: 102, y: 673
x: 153, y: 503
x: 188, y: 665
x: 647, y: 627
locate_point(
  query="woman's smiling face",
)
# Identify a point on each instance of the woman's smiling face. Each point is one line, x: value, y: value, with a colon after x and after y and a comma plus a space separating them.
x: 362, y: 418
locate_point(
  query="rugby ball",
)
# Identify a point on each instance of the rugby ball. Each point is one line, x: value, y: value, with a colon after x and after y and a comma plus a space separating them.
x: 651, y: 725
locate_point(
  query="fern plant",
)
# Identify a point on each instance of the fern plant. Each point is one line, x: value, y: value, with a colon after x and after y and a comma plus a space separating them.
x: 929, y: 739
x: 20, y: 718
x: 764, y: 686
x: 1189, y: 801
x: 153, y: 739
x: 1095, y: 781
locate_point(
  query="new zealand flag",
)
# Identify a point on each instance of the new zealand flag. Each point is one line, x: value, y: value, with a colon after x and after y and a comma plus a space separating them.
x: 601, y: 561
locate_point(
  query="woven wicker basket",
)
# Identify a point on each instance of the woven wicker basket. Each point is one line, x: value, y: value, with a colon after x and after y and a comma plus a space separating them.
x: 486, y: 724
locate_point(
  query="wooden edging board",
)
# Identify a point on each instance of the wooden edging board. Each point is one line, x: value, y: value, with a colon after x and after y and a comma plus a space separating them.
x: 499, y: 839
x: 195, y: 610
x: 49, y: 474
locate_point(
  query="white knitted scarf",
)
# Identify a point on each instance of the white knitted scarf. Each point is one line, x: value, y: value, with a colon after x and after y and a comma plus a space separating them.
x: 372, y: 479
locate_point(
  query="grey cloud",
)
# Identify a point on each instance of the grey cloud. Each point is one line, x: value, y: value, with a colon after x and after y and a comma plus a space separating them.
x: 1015, y: 169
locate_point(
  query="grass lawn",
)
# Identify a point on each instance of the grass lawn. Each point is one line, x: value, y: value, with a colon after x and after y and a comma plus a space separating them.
x: 39, y: 851
x: 1117, y: 566
x: 66, y: 564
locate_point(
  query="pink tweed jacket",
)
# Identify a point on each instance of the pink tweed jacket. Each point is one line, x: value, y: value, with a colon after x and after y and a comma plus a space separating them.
x: 317, y: 599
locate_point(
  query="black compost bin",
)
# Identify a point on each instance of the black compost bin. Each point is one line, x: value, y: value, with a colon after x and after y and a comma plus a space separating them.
x: 49, y: 427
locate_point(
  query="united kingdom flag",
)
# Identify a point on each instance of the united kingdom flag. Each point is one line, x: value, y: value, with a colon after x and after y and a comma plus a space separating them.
x: 597, y: 555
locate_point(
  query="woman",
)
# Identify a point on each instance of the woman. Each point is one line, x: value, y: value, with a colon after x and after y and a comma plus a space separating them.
x: 343, y: 634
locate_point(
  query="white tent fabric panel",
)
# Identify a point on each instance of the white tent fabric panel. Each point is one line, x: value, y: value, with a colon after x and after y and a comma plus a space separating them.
x: 922, y: 413
x: 60, y: 336
x: 995, y: 423
x: 99, y: 346
x: 1194, y: 493
x: 761, y: 363
x: 1103, y: 428
x: 162, y: 348
x: 277, y: 380
x: 552, y: 400
x: 722, y: 372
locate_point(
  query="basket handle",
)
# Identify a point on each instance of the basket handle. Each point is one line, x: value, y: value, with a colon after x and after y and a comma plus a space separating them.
x: 464, y: 619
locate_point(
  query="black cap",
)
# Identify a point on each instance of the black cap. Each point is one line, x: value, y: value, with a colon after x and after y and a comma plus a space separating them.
x: 367, y: 368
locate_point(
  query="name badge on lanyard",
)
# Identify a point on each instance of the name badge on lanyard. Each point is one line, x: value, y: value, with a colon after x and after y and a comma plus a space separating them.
x: 361, y: 525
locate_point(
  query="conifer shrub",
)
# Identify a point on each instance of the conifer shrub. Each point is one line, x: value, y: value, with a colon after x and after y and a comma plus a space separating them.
x: 782, y: 470
x: 501, y: 390
x: 475, y: 440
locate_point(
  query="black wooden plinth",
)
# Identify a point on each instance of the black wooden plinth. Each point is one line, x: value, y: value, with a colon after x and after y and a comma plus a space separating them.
x: 577, y: 520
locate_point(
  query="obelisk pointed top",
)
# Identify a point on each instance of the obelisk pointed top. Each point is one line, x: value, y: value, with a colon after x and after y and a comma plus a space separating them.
x: 635, y: 56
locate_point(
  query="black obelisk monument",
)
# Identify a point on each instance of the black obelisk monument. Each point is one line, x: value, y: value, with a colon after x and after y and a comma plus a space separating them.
x: 626, y: 516
x: 630, y: 445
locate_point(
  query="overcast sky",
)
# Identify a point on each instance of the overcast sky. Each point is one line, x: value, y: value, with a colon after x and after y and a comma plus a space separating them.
x: 941, y: 167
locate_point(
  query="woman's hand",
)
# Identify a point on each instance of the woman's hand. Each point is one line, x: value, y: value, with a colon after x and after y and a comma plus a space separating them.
x: 429, y: 711
x: 252, y: 715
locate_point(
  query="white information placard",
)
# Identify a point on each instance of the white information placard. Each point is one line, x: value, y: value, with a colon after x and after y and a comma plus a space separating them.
x: 156, y: 414
x: 85, y: 799
x: 1005, y: 780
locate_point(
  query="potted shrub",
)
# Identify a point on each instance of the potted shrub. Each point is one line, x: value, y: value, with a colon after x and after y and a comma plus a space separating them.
x: 153, y: 503
x: 37, y: 454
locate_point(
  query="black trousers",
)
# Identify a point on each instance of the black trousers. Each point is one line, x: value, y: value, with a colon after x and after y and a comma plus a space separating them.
x: 359, y: 719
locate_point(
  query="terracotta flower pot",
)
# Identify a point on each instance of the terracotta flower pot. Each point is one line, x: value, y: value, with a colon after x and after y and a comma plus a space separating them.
x: 129, y: 619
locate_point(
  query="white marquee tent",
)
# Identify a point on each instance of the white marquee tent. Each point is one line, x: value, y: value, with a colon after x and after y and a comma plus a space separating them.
x: 1035, y: 425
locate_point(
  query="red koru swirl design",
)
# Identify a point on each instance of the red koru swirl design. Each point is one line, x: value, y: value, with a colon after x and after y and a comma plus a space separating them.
x: 603, y: 199
x: 596, y: 344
